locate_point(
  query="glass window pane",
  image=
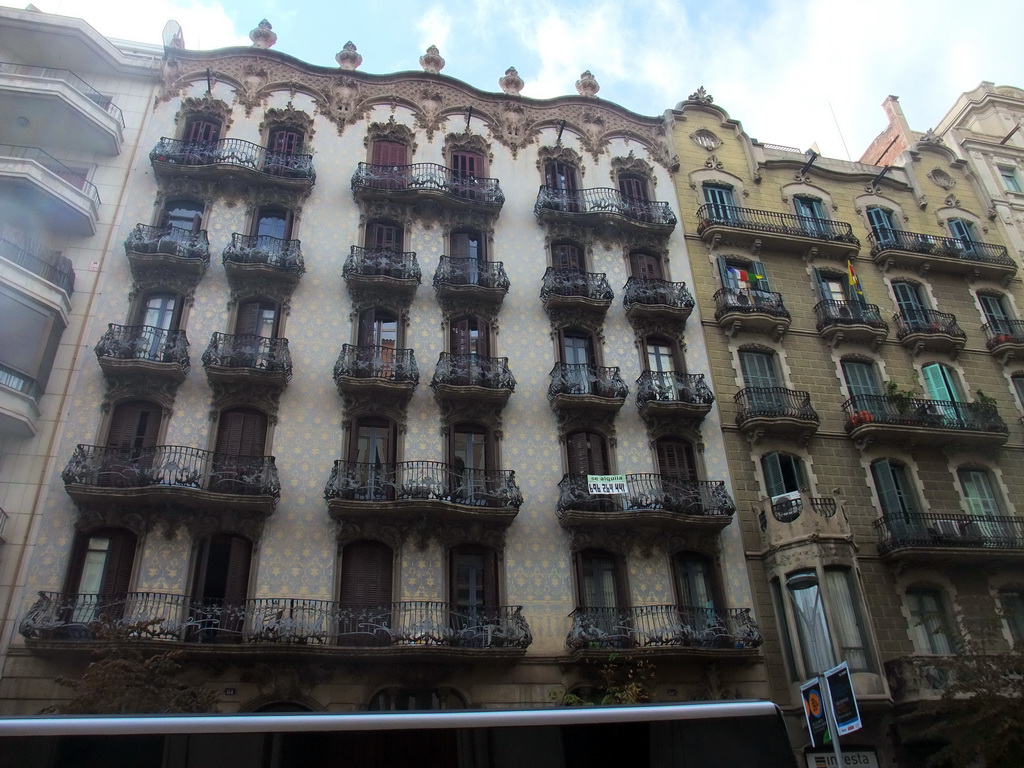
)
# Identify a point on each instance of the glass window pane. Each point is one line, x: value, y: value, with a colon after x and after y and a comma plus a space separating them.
x: 846, y: 614
x: 815, y: 640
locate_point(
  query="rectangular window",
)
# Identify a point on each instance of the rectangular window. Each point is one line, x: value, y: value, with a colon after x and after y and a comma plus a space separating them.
x: 846, y: 614
x: 894, y: 489
x: 881, y: 224
x: 1010, y: 179
x: 812, y: 626
x: 929, y: 624
x: 29, y: 342
x: 1012, y: 602
x: 981, y: 496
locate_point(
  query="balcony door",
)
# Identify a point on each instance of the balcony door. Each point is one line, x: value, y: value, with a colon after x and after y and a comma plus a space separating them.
x: 467, y: 250
x: 469, y: 349
x: 183, y: 216
x: 466, y: 168
x: 861, y: 382
x: 897, y: 498
x: 633, y: 187
x: 390, y: 157
x: 561, y: 177
x: 272, y: 223
x: 373, y: 451
x: 645, y: 266
x: 940, y: 383
x: 161, y: 314
x: 131, y: 440
x: 257, y: 318
x: 202, y: 129
x: 220, y: 588
x: 367, y: 574
x: 578, y: 357
x: 587, y: 454
x: 99, y: 574
x: 721, y: 205
x: 813, y: 219
x: 470, y: 451
x: 676, y: 459
x: 911, y: 304
x: 238, y: 460
x: 761, y: 378
x: 783, y: 476
x: 603, y: 598
x: 963, y: 231
x: 996, y: 314
x: 881, y: 225
x: 378, y: 339
x: 473, y: 584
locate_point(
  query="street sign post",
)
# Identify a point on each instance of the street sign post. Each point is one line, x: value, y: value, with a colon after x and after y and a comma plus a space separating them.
x: 842, y: 699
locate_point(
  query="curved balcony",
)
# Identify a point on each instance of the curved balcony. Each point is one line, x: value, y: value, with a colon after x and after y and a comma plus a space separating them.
x: 179, y: 250
x: 571, y: 289
x: 799, y: 517
x: 62, y: 196
x: 19, y: 402
x: 744, y: 310
x: 918, y: 679
x: 668, y: 502
x: 232, y: 157
x: 775, y: 412
x: 171, y: 474
x: 921, y: 330
x: 768, y: 230
x: 661, y: 394
x: 31, y: 255
x: 293, y: 624
x: 144, y: 350
x: 895, y: 418
x: 376, y: 371
x: 255, y: 257
x: 1005, y: 339
x: 670, y: 630
x: 63, y: 109
x: 604, y: 206
x: 950, y: 255
x: 471, y: 280
x: 394, y: 271
x: 473, y: 378
x: 585, y: 386
x: 426, y: 181
x: 406, y: 491
x: 658, y: 300
x: 850, y: 322
x: 247, y: 357
x: 948, y: 536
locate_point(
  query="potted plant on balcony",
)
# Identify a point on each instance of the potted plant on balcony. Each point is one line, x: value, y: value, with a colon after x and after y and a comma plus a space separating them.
x: 901, y: 398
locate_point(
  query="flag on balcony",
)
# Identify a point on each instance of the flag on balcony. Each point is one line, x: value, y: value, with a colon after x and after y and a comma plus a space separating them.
x: 854, y: 280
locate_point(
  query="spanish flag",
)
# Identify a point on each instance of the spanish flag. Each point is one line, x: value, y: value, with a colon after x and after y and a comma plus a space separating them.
x: 854, y: 280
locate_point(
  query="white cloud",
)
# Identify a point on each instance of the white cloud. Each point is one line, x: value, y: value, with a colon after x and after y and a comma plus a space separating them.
x: 434, y: 27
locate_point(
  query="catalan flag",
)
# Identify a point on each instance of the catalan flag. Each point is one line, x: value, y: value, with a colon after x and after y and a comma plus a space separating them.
x: 854, y: 280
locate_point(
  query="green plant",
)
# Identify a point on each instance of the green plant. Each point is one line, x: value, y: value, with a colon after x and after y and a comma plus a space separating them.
x: 984, y: 399
x: 902, y: 398
x: 620, y: 681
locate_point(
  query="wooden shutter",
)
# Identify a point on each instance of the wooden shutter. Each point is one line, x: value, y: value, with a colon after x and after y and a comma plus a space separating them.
x: 567, y: 256
x: 645, y: 266
x: 939, y: 383
x: 860, y: 378
x: 894, y: 499
x: 117, y: 571
x: 981, y: 496
x: 285, y: 141
x: 366, y: 573
x: 881, y: 223
x: 465, y: 565
x: 908, y: 299
x: 676, y: 459
x: 759, y: 277
x: 718, y: 195
x: 772, y: 467
x: 758, y: 369
x: 242, y: 432
x: 389, y: 153
x: 961, y: 229
x: 385, y: 237
x: 995, y: 310
x: 631, y: 186
x: 134, y: 425
x: 586, y: 454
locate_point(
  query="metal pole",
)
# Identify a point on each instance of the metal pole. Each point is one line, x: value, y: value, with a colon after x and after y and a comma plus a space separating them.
x: 830, y: 717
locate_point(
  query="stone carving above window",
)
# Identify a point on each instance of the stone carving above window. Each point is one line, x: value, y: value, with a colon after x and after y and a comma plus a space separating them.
x: 941, y: 178
x: 634, y: 165
x: 391, y: 131
x: 559, y: 154
x: 245, y: 394
x: 194, y: 106
x: 289, y: 117
x: 467, y: 142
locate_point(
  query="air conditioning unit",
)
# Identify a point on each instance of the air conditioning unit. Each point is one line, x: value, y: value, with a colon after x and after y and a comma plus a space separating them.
x: 783, y: 497
x: 947, y: 529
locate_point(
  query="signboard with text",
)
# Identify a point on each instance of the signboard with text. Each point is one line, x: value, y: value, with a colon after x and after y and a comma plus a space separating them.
x: 842, y: 699
x: 854, y: 758
x: 814, y: 711
x: 607, y: 484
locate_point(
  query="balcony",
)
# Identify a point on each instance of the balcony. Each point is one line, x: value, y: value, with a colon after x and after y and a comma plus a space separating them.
x: 1005, y: 339
x: 60, y: 108
x: 896, y: 418
x: 571, y: 289
x: 602, y: 206
x: 32, y: 256
x: 950, y: 255
x: 376, y: 371
x: 427, y: 182
x: 19, y: 402
x: 949, y: 537
x: 921, y: 330
x: 258, y: 257
x: 799, y: 517
x: 408, y: 490
x: 227, y: 158
x: 414, y: 629
x: 62, y: 196
x: 850, y: 322
x: 471, y: 280
x: 248, y: 358
x: 919, y: 679
x: 171, y: 475
x: 663, y: 394
x: 786, y: 232
x: 144, y: 350
x: 181, y: 251
x: 472, y: 378
x: 670, y: 630
x: 379, y: 268
x: 656, y: 300
x: 668, y: 502
x: 587, y: 387
x: 744, y: 310
x: 775, y: 412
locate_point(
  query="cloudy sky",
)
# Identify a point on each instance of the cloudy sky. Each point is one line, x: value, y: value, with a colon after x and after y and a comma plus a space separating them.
x: 789, y: 70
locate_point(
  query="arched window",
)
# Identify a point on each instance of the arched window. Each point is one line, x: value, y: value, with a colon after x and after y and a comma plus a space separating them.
x: 220, y: 587
x: 720, y: 203
x: 561, y: 176
x: 365, y: 593
x: 285, y: 140
x: 202, y: 128
x: 661, y: 355
x: 813, y: 218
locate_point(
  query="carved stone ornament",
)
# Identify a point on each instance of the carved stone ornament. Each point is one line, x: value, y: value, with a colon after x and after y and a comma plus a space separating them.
x: 645, y: 327
x: 511, y: 83
x: 245, y: 523
x: 191, y: 106
x: 457, y: 534
x: 468, y: 142
x: 348, y: 57
x: 289, y: 117
x: 431, y: 61
x: 454, y: 220
x: 632, y: 164
x: 714, y: 163
x: 564, y: 232
x: 942, y: 179
x: 952, y: 201
x: 587, y: 84
x: 559, y: 154
x: 391, y: 131
x: 139, y: 387
x: 595, y: 421
x: 263, y: 36
x: 260, y: 395
x: 701, y: 96
x: 392, y: 213
x: 706, y: 139
x: 245, y: 286
x: 929, y: 137
x: 249, y: 93
x: 112, y: 516
x: 514, y: 129
x: 656, y: 245
x: 158, y: 277
x: 594, y: 138
x: 591, y: 319
x: 670, y: 426
x: 349, y: 530
x: 466, y: 410
x: 432, y: 103
x: 374, y: 405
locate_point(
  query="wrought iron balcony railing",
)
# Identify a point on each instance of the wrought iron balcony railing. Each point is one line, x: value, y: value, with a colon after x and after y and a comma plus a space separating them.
x: 831, y: 313
x: 473, y: 371
x: 586, y: 379
x: 69, y: 77
x: 144, y: 342
x: 278, y: 620
x: 1003, y: 332
x: 20, y: 382
x: 662, y: 626
x: 926, y: 321
x: 759, y: 402
x: 673, y: 387
x: 423, y: 481
x: 951, y: 247
x: 54, y: 166
x: 28, y: 253
x: 789, y: 509
x: 917, y: 412
x: 248, y: 351
x: 755, y: 220
x: 377, y: 362
x: 383, y: 262
x: 749, y: 301
x: 949, y: 529
x: 653, y: 291
x: 172, y: 241
x: 265, y: 249
x: 234, y: 153
x: 465, y: 271
x: 604, y: 201
x: 429, y: 176
x: 704, y: 498
x: 172, y: 465
x: 569, y: 282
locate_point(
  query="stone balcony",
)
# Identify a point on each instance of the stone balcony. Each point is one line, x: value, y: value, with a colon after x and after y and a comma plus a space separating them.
x: 662, y: 394
x: 850, y: 322
x: 570, y: 289
x: 951, y: 537
x: 253, y: 259
x: 248, y: 358
x: 382, y: 270
x: 179, y: 251
x: 1005, y: 339
x: 471, y: 281
x: 799, y: 517
x: 587, y: 387
x: 927, y: 330
x: 659, y: 301
x: 376, y: 371
x: 473, y: 378
x: 775, y: 412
